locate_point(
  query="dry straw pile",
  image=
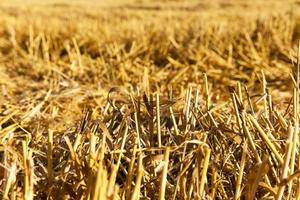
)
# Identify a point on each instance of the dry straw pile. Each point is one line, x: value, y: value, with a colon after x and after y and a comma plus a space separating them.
x: 141, y: 100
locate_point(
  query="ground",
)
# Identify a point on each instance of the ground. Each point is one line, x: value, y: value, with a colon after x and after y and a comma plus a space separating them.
x: 149, y: 99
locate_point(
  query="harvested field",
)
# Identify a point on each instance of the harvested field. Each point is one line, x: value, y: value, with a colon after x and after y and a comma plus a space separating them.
x: 140, y: 99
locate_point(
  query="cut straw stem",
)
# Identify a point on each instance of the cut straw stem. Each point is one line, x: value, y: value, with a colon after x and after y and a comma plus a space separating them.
x: 26, y: 170
x: 174, y: 121
x: 137, y: 129
x: 295, y: 135
x: 49, y: 157
x: 241, y: 171
x: 236, y: 111
x: 130, y: 173
x: 250, y: 139
x: 187, y: 108
x: 206, y: 92
x: 266, y: 139
x: 137, y: 188
x: 10, y: 180
x: 240, y: 94
x: 194, y: 120
x: 285, y: 167
x: 163, y: 180
x: 158, y: 120
x: 264, y: 82
x: 204, y: 172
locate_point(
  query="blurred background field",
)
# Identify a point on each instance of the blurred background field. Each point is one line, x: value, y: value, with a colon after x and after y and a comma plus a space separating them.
x: 213, y: 72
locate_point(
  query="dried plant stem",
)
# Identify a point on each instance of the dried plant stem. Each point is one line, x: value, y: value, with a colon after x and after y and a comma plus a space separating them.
x: 130, y: 173
x: 194, y: 120
x: 187, y: 108
x: 136, y: 191
x: 285, y: 167
x: 250, y: 139
x: 206, y: 93
x: 204, y: 172
x: 236, y: 111
x: 174, y: 121
x: 163, y: 180
x: 49, y: 158
x: 158, y: 120
x: 10, y: 180
x: 137, y: 129
x: 266, y: 139
x: 241, y: 171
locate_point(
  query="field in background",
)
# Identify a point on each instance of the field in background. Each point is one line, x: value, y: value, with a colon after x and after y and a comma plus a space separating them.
x: 161, y: 99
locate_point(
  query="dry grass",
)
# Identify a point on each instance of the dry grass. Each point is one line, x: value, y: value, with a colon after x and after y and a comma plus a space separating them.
x: 149, y: 100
